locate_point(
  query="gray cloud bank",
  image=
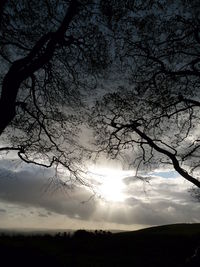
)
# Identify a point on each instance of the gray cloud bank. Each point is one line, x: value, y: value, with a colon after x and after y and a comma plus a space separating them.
x: 36, y: 188
x: 161, y: 201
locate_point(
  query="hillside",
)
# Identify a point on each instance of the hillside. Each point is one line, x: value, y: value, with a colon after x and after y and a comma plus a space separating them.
x: 171, y: 229
x: 170, y: 245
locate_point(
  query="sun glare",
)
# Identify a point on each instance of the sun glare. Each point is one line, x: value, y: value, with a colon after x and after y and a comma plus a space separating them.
x: 110, y: 184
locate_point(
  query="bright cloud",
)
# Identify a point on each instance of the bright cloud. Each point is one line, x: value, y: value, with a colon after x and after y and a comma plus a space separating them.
x: 121, y: 200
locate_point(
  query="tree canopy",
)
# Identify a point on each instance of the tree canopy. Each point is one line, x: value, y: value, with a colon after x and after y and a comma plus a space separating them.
x: 141, y: 60
x: 153, y: 118
x: 51, y: 53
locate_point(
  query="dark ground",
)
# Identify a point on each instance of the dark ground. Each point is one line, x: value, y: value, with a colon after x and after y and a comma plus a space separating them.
x: 164, y: 246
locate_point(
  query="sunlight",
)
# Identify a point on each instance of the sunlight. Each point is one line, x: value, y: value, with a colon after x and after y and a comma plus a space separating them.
x: 110, y: 184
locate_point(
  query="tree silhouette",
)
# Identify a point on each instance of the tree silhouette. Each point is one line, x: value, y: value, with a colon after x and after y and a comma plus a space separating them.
x: 51, y: 53
x: 54, y: 53
x: 152, y: 119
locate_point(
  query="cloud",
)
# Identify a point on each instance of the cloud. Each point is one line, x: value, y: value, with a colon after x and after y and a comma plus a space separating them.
x: 34, y: 187
x: 132, y: 179
x: 43, y: 215
x: 2, y: 211
x: 161, y: 200
x: 158, y: 201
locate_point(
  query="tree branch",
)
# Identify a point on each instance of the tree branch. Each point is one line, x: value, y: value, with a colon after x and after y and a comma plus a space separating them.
x: 25, y: 67
x: 170, y: 155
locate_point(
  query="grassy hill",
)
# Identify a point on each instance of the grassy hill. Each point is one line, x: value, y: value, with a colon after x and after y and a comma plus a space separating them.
x: 163, y: 246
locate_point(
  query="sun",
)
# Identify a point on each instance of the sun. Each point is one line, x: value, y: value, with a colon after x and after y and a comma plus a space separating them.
x: 112, y: 189
x: 110, y: 186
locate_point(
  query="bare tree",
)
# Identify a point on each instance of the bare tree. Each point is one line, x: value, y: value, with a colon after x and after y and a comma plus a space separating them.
x: 153, y: 117
x: 51, y: 55
x: 54, y: 52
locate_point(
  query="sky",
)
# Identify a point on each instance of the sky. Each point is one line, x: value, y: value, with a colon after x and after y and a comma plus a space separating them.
x: 30, y: 197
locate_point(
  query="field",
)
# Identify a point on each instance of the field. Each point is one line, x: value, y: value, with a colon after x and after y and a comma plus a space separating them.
x: 163, y: 246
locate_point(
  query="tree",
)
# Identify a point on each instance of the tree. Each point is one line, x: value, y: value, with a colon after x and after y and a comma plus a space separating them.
x: 51, y: 53
x: 152, y: 119
x: 146, y: 55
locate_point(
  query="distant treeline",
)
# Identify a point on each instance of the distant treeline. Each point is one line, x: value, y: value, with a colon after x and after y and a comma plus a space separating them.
x: 81, y: 233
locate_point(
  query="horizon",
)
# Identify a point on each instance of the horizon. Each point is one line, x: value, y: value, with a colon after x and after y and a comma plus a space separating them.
x: 29, y: 200
x: 62, y: 231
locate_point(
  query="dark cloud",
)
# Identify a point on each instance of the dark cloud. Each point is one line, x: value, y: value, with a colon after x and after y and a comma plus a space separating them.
x: 130, y: 179
x: 2, y: 211
x: 43, y: 215
x: 33, y: 188
x: 132, y: 201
